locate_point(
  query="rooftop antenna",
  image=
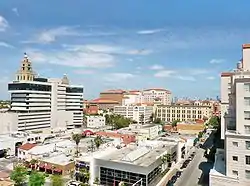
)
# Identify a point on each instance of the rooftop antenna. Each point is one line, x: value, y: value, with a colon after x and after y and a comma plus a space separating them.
x: 25, y: 55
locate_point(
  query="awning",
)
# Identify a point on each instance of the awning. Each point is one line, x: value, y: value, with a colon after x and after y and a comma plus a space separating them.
x: 42, y: 165
x: 48, y: 166
x: 57, y: 170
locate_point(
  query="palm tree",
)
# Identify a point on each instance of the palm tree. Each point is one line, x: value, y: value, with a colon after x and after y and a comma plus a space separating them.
x: 98, y: 141
x: 77, y: 138
x: 56, y: 180
x: 36, y: 179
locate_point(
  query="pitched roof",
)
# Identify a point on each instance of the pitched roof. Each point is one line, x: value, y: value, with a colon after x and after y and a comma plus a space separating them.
x: 158, y: 89
x: 27, y: 146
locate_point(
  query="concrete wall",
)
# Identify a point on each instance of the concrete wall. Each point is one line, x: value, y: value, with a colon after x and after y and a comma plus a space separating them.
x: 216, y: 180
x: 240, y: 152
x: 8, y: 122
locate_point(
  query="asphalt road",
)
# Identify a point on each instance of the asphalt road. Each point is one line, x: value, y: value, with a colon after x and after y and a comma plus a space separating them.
x: 197, y: 172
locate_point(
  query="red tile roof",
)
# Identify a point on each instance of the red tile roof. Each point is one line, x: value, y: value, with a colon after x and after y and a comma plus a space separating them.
x: 245, y: 46
x: 103, y: 100
x: 116, y: 91
x: 226, y: 74
x: 27, y: 146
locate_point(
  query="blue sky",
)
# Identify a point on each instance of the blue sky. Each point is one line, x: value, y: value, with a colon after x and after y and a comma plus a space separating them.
x: 179, y: 45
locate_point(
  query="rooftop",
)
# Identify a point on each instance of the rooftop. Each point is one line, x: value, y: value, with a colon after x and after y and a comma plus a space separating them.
x: 27, y: 146
x: 142, y: 155
x: 103, y: 100
x: 219, y: 164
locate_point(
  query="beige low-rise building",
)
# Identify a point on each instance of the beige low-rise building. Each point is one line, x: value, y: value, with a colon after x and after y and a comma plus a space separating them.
x: 171, y: 113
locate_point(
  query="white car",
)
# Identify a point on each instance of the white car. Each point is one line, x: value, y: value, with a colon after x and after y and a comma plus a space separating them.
x: 74, y: 183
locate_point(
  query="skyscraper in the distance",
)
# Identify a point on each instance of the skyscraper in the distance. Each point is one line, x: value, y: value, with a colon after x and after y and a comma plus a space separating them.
x: 41, y: 103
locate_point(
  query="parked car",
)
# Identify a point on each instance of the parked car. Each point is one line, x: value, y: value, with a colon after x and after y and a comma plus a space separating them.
x: 174, y: 179
x: 170, y: 183
x: 74, y: 183
x: 178, y: 174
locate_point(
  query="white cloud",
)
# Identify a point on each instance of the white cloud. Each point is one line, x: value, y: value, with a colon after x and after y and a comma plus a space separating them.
x: 3, y: 24
x: 107, y: 49
x: 210, y: 78
x: 156, y: 67
x: 186, y: 78
x: 4, y: 44
x: 197, y: 71
x: 50, y: 35
x: 164, y: 73
x: 216, y: 61
x: 73, y: 58
x: 15, y: 10
x: 118, y: 77
x: 149, y: 31
x: 140, y: 52
x: 84, y: 71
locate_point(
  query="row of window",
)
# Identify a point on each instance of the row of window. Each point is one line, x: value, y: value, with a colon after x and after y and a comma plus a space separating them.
x: 247, y: 173
x: 179, y: 111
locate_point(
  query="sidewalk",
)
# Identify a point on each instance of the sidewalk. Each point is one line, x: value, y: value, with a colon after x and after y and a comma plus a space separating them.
x: 170, y: 173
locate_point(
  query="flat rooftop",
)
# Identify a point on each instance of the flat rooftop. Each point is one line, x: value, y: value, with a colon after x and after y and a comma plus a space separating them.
x: 219, y: 164
x: 142, y: 155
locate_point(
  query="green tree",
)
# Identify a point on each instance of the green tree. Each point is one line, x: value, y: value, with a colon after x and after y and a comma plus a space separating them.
x: 36, y: 179
x: 200, y: 135
x: 33, y: 161
x: 214, y: 122
x: 142, y: 118
x: 19, y: 175
x: 98, y: 141
x: 174, y: 123
x: 157, y: 121
x: 56, y: 180
x: 96, y: 181
x: 85, y: 175
x: 77, y: 138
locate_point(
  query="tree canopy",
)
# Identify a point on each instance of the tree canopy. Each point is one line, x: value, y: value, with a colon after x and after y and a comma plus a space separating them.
x: 36, y: 179
x: 174, y: 123
x: 214, y: 121
x: 117, y: 121
x: 19, y: 175
x: 56, y: 180
x: 157, y: 121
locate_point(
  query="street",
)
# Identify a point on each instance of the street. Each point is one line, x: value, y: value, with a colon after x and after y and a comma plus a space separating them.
x: 197, y: 172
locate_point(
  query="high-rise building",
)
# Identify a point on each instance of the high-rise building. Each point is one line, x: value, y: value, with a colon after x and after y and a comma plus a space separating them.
x: 42, y: 103
x: 232, y: 165
x: 154, y: 94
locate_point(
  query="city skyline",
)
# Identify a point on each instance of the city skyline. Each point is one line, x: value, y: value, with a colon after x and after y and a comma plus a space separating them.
x: 125, y: 44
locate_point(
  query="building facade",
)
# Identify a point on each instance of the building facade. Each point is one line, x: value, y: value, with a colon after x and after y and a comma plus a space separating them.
x: 95, y: 121
x: 235, y: 159
x: 135, y: 113
x: 42, y: 103
x: 171, y: 113
x: 152, y: 95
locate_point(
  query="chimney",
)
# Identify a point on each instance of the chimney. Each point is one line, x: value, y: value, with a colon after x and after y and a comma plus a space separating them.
x: 246, y: 56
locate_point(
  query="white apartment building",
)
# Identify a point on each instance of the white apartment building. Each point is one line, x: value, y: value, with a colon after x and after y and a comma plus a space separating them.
x: 136, y: 113
x: 95, y: 121
x: 132, y: 98
x: 232, y: 166
x: 171, y: 113
x: 152, y: 95
x: 41, y: 103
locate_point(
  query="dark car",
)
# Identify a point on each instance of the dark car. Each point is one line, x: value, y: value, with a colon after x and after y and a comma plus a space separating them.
x: 174, y: 179
x: 170, y: 183
x: 178, y: 174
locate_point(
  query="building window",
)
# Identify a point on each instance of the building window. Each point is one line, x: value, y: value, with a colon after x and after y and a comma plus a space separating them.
x: 235, y: 173
x: 247, y: 101
x: 247, y: 129
x: 248, y: 160
x: 235, y: 158
x: 247, y: 87
x: 247, y: 115
x: 235, y: 144
x: 247, y: 174
x: 248, y: 145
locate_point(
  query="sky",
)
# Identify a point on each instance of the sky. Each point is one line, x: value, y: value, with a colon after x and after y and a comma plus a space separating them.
x: 179, y: 45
